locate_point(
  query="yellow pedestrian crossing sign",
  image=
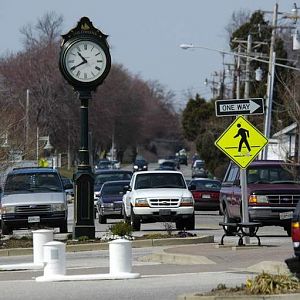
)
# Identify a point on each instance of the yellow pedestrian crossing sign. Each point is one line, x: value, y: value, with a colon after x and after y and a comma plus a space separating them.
x: 241, y: 142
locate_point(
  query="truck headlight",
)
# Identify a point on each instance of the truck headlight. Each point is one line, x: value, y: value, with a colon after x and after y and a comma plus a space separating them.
x: 255, y: 199
x: 141, y: 202
x: 187, y: 201
x: 135, y: 167
x: 8, y: 209
x: 58, y: 207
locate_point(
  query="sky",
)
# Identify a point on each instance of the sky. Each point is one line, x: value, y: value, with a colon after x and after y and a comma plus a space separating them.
x: 144, y: 35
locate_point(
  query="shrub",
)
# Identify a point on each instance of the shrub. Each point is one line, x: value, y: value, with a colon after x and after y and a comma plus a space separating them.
x: 272, y: 284
x: 121, y: 229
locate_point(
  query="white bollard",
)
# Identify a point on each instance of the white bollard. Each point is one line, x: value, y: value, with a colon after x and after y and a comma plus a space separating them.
x: 54, y: 259
x: 120, y: 256
x: 40, y: 238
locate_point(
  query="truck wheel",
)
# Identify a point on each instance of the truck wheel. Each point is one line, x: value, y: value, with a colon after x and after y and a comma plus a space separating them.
x: 180, y: 224
x: 227, y: 219
x: 135, y: 222
x: 5, y: 229
x: 190, y: 223
x: 102, y: 219
x: 63, y: 228
x: 125, y: 218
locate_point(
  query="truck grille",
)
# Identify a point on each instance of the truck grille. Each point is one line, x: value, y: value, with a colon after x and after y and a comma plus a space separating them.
x: 283, y: 199
x: 33, y: 208
x: 154, y: 202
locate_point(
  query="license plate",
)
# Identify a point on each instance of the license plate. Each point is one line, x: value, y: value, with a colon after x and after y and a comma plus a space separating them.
x: 164, y: 212
x: 206, y: 196
x: 286, y: 215
x: 34, y: 219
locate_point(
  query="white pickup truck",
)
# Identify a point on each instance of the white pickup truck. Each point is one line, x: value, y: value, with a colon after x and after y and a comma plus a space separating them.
x: 155, y: 196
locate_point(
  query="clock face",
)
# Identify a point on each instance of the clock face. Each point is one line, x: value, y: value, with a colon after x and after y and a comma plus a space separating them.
x: 85, y: 61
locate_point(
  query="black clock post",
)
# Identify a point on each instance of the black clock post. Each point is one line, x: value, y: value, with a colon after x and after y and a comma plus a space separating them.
x: 84, y: 62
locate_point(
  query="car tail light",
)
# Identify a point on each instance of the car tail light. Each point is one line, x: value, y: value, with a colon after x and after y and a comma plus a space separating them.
x: 295, y: 231
x: 197, y: 195
x: 215, y: 195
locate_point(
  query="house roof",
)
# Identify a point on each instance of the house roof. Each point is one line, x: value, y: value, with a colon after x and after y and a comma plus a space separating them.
x: 286, y: 130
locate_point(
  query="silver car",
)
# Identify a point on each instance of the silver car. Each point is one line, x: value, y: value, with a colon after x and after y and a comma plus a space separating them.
x: 33, y: 197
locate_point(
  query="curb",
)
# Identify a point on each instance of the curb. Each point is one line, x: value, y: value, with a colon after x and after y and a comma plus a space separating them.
x: 105, y: 246
x: 294, y: 296
x: 178, y: 259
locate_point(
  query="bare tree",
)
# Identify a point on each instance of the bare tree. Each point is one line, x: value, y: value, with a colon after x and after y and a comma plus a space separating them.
x: 47, y: 30
x: 238, y: 18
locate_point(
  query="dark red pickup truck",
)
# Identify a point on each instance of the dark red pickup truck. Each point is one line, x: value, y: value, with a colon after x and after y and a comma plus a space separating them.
x: 273, y: 188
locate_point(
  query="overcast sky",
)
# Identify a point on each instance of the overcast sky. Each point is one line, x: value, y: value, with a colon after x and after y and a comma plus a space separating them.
x: 145, y: 35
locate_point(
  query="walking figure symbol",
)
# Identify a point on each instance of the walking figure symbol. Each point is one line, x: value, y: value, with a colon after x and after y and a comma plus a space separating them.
x: 244, y: 134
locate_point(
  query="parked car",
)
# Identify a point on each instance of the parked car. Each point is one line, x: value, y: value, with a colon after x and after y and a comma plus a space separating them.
x: 140, y: 165
x: 102, y: 176
x: 34, y: 197
x: 159, y: 196
x: 199, y: 170
x: 273, y: 193
x: 206, y: 193
x: 109, y: 203
x: 296, y: 230
x: 168, y: 165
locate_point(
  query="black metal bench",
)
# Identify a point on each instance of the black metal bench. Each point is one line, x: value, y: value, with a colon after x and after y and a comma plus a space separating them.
x: 241, y: 230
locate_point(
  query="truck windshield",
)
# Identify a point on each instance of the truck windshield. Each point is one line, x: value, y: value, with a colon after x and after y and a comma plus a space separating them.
x: 273, y: 174
x: 33, y: 182
x: 159, y: 180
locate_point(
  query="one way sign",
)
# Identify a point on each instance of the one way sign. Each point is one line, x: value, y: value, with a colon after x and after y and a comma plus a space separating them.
x: 234, y: 107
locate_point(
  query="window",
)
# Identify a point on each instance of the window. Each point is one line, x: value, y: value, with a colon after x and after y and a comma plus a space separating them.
x: 112, y: 189
x: 159, y: 180
x: 231, y: 176
x: 33, y: 182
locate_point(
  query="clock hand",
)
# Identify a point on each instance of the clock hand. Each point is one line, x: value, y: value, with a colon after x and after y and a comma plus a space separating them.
x: 85, y: 61
x: 74, y: 67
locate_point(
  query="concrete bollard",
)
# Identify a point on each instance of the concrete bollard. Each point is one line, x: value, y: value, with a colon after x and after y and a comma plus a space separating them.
x: 40, y: 238
x: 54, y: 259
x: 120, y: 256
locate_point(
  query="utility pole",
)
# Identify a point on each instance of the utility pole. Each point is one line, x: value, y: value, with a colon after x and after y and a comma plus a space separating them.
x: 238, y: 76
x: 243, y: 172
x: 270, y: 86
x: 26, y: 124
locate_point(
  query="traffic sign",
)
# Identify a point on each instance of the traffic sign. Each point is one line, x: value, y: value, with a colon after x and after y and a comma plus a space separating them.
x: 234, y: 107
x: 241, y: 142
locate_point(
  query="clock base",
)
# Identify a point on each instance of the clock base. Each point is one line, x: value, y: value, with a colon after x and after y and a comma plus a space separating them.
x: 84, y: 230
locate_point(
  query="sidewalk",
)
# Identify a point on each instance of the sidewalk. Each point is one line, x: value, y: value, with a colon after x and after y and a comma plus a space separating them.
x: 214, y: 258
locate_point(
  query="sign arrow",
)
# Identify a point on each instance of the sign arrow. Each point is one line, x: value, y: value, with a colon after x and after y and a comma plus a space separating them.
x: 233, y: 107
